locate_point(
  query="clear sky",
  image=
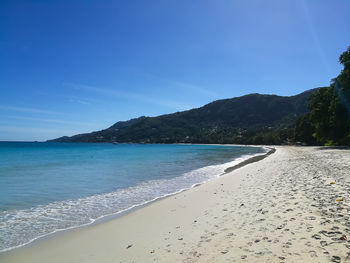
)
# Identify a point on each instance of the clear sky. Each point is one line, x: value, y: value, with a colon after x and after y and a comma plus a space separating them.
x: 73, y: 66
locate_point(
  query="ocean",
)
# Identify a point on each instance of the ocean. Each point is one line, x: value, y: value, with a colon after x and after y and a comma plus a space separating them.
x: 48, y: 187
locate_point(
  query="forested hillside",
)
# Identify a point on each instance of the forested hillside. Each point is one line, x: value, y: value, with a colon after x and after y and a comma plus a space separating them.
x: 328, y: 122
x: 250, y: 119
x: 315, y: 117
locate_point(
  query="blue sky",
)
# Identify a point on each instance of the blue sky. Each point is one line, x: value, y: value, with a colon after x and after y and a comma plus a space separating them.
x: 73, y: 66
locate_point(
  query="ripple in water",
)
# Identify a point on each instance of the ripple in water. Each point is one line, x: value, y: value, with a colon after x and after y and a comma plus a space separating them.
x: 19, y: 227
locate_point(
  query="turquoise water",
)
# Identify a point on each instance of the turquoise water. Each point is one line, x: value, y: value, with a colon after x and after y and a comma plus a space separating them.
x: 46, y: 187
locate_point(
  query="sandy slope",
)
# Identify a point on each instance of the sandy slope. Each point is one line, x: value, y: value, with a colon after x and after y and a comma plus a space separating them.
x: 280, y: 209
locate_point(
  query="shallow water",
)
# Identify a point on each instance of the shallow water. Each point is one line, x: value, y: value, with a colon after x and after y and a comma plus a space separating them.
x: 46, y: 187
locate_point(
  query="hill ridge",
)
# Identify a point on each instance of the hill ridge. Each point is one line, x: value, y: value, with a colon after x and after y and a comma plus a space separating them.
x: 230, y: 120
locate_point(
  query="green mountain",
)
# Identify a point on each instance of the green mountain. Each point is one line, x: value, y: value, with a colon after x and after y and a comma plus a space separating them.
x: 250, y: 119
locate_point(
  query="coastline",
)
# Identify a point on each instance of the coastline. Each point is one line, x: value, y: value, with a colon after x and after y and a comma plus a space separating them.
x: 114, y: 215
x: 271, y: 210
x: 253, y: 159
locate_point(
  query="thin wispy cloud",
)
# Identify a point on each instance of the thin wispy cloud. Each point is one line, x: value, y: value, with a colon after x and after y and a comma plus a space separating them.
x: 27, y: 110
x: 21, y: 129
x: 53, y: 121
x: 182, y: 85
x: 71, y: 98
x: 83, y: 102
x: 130, y: 96
x: 76, y: 100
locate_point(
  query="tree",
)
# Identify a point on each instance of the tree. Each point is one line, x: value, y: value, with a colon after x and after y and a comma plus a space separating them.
x: 342, y: 82
x: 304, y: 130
x: 330, y: 110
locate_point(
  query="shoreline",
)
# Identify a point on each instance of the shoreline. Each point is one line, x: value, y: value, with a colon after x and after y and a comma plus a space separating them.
x: 253, y: 159
x: 112, y: 216
x: 279, y: 209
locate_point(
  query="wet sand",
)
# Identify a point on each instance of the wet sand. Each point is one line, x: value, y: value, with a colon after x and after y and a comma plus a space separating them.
x: 292, y: 206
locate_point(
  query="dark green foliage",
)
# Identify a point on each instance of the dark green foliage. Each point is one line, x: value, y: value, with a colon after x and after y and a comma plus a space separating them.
x: 304, y: 130
x: 344, y: 77
x: 250, y: 119
x: 320, y: 103
x: 329, y: 119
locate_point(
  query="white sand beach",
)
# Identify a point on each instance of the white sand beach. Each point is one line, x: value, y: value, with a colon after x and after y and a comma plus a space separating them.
x: 283, y: 208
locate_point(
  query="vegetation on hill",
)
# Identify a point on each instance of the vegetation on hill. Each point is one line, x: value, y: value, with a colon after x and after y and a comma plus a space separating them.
x: 315, y: 117
x: 328, y: 121
x: 250, y: 119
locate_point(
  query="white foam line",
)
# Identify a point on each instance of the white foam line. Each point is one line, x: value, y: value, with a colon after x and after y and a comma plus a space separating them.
x: 92, y: 221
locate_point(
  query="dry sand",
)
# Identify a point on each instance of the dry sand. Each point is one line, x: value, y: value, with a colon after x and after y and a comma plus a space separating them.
x: 280, y: 209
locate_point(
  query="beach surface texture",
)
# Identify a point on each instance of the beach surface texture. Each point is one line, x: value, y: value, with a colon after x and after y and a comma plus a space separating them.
x: 292, y: 206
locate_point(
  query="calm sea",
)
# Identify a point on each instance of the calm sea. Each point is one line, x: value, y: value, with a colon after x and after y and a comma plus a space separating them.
x: 47, y: 187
